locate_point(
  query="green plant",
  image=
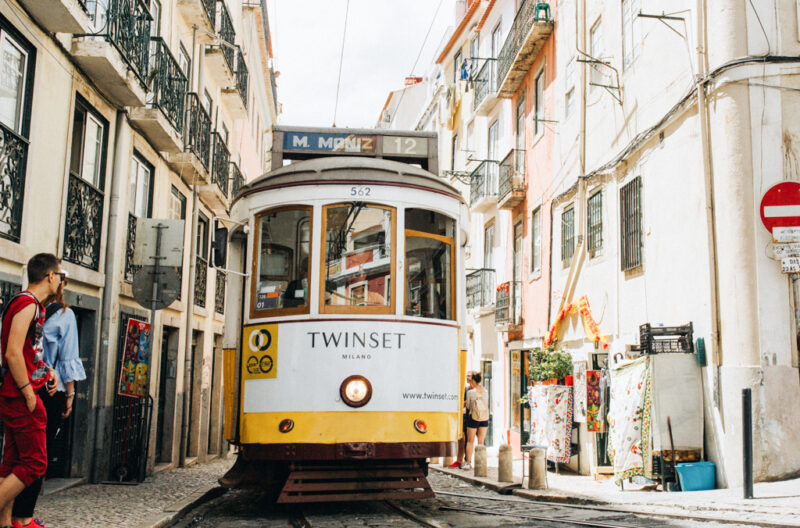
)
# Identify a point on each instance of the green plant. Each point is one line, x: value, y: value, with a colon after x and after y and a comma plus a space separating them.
x: 549, y: 363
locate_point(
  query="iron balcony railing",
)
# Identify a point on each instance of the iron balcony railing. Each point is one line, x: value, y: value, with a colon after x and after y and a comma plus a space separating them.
x: 200, y: 282
x: 211, y: 9
x: 483, y: 181
x: 511, y: 173
x: 127, y: 27
x: 526, y: 15
x: 485, y: 82
x: 130, y: 245
x: 237, y: 180
x: 507, y: 304
x: 242, y: 75
x: 227, y: 34
x: 220, y: 169
x: 480, y: 288
x: 167, y: 84
x: 13, y: 166
x: 197, y: 138
x: 219, y: 294
x: 84, y: 223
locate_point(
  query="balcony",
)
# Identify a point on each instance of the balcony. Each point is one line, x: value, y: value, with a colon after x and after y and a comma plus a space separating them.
x: 511, y: 188
x: 237, y: 180
x: 481, y: 290
x: 200, y: 282
x: 235, y: 98
x: 508, y: 307
x: 83, y: 228
x: 485, y: 80
x: 117, y: 60
x: 216, y: 193
x: 59, y: 16
x: 530, y: 30
x: 200, y: 13
x: 13, y: 166
x: 483, y: 186
x: 193, y: 163
x: 220, y: 57
x: 162, y: 120
x: 219, y: 294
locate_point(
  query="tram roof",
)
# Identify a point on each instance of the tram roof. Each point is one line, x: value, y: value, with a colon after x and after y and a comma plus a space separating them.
x: 334, y: 170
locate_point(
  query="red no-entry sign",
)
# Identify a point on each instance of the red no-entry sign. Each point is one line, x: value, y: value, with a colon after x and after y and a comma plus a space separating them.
x: 780, y: 206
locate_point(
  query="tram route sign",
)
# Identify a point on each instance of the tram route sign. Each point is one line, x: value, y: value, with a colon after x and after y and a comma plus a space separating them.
x: 329, y: 142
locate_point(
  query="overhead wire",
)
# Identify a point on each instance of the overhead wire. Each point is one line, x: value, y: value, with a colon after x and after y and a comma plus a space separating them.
x: 341, y: 61
x: 421, y: 48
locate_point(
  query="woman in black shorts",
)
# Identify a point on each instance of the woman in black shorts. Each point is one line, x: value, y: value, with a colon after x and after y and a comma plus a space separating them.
x: 477, y: 416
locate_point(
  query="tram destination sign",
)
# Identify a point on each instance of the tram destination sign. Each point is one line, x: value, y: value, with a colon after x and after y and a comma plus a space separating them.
x: 329, y: 142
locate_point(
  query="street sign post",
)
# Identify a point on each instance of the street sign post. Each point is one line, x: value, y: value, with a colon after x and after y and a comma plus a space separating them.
x: 159, y: 249
x: 780, y: 207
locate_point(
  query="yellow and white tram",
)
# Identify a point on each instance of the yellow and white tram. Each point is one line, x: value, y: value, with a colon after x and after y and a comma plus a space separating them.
x: 343, y: 369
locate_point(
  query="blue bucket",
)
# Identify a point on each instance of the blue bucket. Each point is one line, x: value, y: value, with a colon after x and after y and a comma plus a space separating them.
x: 696, y: 476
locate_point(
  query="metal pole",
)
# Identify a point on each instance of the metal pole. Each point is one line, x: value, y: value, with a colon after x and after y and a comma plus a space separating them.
x: 747, y: 442
x: 156, y: 278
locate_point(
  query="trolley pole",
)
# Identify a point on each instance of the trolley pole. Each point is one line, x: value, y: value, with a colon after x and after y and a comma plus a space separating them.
x: 747, y: 442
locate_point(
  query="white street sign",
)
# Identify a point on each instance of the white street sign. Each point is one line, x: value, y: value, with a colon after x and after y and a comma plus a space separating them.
x: 786, y: 250
x: 171, y: 242
x: 786, y: 234
x: 790, y: 265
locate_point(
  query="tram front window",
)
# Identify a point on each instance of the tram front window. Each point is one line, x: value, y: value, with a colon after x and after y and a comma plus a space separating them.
x: 429, y: 264
x: 358, y: 265
x: 283, y: 263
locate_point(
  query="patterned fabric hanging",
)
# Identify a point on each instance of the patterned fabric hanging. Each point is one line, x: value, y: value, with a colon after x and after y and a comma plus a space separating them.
x: 551, y: 420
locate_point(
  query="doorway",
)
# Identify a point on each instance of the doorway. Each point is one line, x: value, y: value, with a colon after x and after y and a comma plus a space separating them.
x: 193, y: 381
x: 486, y: 376
x: 167, y: 374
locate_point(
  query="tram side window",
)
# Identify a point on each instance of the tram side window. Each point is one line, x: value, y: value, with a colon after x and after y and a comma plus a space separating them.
x: 283, y: 263
x: 358, y: 265
x: 430, y: 246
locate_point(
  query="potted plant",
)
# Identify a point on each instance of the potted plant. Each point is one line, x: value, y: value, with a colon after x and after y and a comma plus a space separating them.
x: 549, y: 365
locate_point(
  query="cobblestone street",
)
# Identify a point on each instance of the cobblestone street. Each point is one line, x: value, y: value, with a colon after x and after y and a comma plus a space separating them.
x: 123, y: 506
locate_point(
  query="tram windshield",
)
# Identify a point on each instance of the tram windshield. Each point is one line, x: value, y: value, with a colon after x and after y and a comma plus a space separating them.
x: 358, y: 265
x: 283, y: 263
x: 430, y: 241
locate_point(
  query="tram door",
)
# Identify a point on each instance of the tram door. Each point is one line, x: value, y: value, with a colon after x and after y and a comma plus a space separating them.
x: 486, y: 376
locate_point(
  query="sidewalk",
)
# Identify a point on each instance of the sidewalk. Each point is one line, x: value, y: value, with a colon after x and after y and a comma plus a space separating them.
x: 147, y: 505
x: 775, y: 503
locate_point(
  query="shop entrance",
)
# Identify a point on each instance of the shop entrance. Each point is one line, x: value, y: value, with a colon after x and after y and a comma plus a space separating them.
x: 600, y: 362
x: 524, y: 408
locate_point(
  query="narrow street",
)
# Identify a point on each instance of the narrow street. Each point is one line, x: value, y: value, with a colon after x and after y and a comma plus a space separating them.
x: 457, y: 504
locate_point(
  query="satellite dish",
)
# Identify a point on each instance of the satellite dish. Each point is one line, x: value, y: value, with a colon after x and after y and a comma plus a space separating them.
x: 168, y: 287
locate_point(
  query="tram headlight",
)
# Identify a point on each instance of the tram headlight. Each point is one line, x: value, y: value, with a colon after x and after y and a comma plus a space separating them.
x: 286, y: 425
x: 421, y: 426
x: 356, y: 391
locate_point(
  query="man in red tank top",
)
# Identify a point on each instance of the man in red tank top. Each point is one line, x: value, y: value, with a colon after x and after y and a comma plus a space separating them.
x: 24, y: 372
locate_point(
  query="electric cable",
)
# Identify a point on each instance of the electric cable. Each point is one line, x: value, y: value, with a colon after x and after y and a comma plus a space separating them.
x: 341, y: 60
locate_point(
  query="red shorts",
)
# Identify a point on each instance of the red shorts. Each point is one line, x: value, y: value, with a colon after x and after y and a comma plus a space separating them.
x: 25, y: 443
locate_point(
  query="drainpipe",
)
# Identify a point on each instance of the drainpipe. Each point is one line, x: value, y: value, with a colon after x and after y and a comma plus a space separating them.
x: 187, y: 354
x: 708, y: 177
x: 122, y: 142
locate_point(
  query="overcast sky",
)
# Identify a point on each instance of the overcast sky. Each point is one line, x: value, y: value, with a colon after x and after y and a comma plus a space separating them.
x: 382, y: 42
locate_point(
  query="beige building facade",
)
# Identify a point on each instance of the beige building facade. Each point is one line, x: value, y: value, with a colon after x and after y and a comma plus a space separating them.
x: 112, y: 112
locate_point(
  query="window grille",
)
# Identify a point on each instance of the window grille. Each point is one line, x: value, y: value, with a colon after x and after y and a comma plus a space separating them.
x: 595, y: 219
x: 567, y: 235
x: 630, y: 197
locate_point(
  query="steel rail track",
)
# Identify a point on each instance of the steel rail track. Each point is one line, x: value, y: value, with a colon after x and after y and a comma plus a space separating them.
x: 560, y: 520
x: 614, y: 510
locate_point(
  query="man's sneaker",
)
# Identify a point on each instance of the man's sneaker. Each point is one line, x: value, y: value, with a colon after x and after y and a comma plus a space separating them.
x: 465, y: 466
x: 35, y: 523
x: 455, y: 464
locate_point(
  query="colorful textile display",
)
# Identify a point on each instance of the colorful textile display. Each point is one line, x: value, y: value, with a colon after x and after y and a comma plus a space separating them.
x: 551, y: 420
x: 589, y: 324
x: 579, y: 384
x: 629, y: 420
x: 594, y: 422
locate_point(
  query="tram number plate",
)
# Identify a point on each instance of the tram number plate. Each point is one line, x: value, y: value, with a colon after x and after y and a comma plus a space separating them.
x: 415, y: 146
x: 360, y: 190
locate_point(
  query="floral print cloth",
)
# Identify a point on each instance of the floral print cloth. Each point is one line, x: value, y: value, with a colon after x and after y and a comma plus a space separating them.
x: 551, y: 420
x: 630, y: 420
